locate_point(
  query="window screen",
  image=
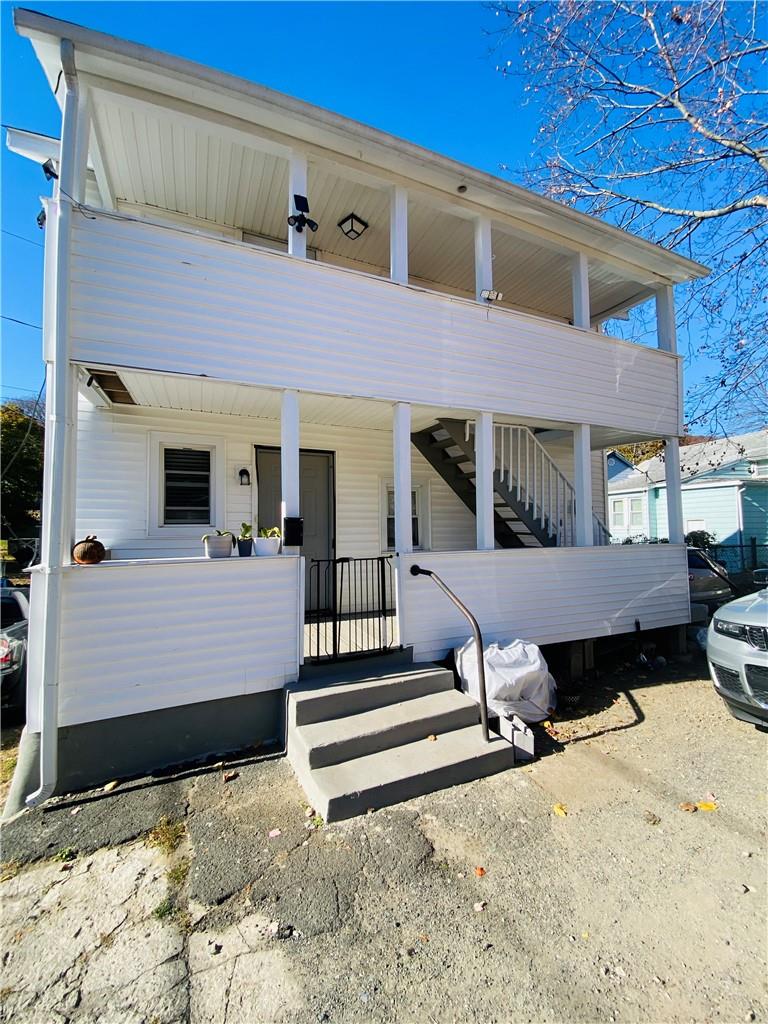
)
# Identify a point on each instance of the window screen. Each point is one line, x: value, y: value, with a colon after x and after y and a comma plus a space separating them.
x: 391, y: 519
x: 186, y: 486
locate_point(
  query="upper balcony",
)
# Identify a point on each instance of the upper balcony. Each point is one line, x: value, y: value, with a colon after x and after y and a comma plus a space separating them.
x: 460, y: 288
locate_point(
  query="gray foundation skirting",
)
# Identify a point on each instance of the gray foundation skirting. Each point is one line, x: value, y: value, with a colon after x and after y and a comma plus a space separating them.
x: 93, y: 753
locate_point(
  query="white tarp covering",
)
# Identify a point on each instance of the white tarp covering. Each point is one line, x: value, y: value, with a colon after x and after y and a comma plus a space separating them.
x: 517, y: 680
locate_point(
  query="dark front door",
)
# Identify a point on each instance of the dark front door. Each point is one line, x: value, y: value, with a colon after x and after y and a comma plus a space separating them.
x: 316, y: 500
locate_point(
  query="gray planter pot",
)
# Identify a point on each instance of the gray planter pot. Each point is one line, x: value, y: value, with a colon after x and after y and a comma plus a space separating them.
x: 218, y: 547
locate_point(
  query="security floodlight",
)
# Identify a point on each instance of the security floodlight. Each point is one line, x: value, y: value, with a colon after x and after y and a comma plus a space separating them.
x: 49, y: 170
x: 299, y: 220
x: 40, y: 218
x: 491, y: 296
x: 352, y: 226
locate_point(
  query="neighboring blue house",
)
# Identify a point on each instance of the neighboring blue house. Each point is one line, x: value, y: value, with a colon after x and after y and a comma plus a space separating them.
x: 725, y: 492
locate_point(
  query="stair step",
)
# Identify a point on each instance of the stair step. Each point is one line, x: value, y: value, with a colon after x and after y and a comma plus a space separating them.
x: 308, y: 704
x: 400, y: 773
x: 455, y: 460
x: 327, y: 743
x: 444, y: 442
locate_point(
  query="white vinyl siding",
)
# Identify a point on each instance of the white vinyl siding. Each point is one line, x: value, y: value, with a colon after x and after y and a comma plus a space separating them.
x: 139, y: 637
x: 158, y: 298
x: 546, y: 596
x: 114, y: 481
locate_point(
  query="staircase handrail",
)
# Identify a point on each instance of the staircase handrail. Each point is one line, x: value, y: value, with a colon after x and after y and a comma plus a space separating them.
x: 418, y: 571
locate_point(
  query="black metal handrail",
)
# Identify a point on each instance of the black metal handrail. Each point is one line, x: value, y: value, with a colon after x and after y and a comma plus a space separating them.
x: 418, y: 571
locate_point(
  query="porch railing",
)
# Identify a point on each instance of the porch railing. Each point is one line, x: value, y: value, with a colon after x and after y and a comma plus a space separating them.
x: 350, y: 607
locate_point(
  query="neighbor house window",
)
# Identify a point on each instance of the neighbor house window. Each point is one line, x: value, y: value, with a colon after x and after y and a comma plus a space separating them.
x: 186, y: 486
x: 636, y: 511
x: 693, y: 525
x: 417, y: 532
x: 617, y: 506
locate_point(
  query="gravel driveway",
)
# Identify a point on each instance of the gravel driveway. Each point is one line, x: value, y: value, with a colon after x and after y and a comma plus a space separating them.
x: 212, y: 897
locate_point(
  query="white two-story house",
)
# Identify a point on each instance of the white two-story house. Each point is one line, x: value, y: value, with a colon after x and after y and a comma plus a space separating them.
x: 421, y: 375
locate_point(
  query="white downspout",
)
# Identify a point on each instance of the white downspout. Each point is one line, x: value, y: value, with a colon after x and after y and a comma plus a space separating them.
x: 740, y: 521
x: 57, y: 476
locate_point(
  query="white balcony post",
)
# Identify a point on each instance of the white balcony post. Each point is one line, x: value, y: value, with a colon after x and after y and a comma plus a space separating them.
x: 297, y: 186
x: 484, y: 481
x: 398, y: 235
x: 289, y: 460
x: 674, y: 491
x: 401, y: 439
x: 483, y: 257
x: 580, y: 290
x: 80, y: 169
x: 582, y: 484
x: 666, y: 330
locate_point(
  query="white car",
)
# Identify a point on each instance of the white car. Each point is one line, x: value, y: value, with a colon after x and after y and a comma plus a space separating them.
x: 737, y: 652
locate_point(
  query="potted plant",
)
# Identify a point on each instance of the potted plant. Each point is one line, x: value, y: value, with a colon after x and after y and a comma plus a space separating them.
x: 268, y: 541
x: 218, y: 544
x: 245, y: 540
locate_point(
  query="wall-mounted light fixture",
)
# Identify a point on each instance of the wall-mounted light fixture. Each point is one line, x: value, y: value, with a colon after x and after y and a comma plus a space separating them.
x: 49, y: 170
x: 491, y: 296
x: 40, y: 218
x: 352, y: 226
x: 299, y: 220
x: 245, y: 477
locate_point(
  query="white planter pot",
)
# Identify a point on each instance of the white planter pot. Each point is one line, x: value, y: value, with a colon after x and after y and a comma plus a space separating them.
x: 267, y: 546
x: 218, y: 547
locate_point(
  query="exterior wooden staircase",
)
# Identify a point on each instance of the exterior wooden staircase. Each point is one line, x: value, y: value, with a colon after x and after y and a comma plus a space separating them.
x: 534, y: 502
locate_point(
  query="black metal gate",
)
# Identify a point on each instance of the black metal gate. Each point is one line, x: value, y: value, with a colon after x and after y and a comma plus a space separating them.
x: 350, y: 608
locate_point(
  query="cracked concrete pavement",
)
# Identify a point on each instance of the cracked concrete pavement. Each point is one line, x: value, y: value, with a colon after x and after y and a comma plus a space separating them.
x: 627, y: 909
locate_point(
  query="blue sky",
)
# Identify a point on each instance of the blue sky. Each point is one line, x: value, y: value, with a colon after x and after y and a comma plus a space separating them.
x: 424, y: 71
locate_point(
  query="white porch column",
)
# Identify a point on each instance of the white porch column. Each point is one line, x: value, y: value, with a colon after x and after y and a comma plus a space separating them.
x: 674, y: 491
x: 80, y: 169
x: 483, y: 257
x: 666, y: 330
x: 582, y: 483
x: 398, y: 235
x: 297, y: 186
x: 289, y: 460
x: 484, y: 481
x: 401, y: 439
x: 580, y: 290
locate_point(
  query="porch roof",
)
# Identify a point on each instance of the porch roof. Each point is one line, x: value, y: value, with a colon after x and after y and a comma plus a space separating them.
x: 141, y: 95
x: 184, y: 393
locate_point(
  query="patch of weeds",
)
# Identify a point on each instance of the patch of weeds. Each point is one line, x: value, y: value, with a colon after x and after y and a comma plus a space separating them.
x: 67, y: 853
x: 317, y: 820
x: 8, y: 760
x: 166, y: 835
x: 165, y: 908
x: 177, y: 875
x: 106, y: 939
x: 9, y: 869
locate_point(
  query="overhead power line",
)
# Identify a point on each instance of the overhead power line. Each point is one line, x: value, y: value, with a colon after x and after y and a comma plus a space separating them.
x: 24, y: 323
x: 22, y: 238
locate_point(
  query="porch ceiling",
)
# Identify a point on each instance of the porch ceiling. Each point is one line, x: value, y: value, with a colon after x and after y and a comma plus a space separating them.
x: 225, y: 398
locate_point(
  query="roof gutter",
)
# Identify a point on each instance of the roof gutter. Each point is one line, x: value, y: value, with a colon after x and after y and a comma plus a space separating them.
x: 59, y: 456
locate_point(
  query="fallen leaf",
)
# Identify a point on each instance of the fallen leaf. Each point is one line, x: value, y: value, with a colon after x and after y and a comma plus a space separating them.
x: 275, y: 833
x: 706, y: 805
x: 547, y: 724
x: 689, y: 807
x: 560, y: 810
x: 479, y: 872
x: 423, y: 938
x: 480, y: 905
x: 111, y: 785
x: 585, y: 935
x: 229, y: 776
x: 432, y: 739
x: 309, y: 812
x: 651, y: 818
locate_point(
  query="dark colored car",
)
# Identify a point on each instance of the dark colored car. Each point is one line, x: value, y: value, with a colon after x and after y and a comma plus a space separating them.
x: 708, y: 581
x: 14, y: 627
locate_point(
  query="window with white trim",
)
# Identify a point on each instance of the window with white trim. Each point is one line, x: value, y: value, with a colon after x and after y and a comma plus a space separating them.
x: 635, y: 511
x: 617, y: 512
x: 187, y: 491
x: 419, y: 518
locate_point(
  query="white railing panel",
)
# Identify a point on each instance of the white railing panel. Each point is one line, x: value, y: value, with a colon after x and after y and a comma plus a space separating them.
x: 545, y: 595
x: 148, y: 635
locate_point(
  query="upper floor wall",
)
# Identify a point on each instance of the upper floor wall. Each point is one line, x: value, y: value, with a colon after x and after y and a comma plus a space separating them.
x: 161, y: 298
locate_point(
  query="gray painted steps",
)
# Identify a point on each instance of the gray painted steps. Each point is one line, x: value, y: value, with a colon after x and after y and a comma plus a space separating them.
x: 363, y: 743
x: 340, y: 739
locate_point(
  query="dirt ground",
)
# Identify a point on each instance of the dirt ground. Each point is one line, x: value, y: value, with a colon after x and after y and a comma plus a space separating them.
x: 177, y: 899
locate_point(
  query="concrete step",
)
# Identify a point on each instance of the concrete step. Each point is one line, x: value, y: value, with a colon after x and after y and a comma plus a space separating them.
x: 331, y: 742
x: 321, y: 702
x: 399, y: 773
